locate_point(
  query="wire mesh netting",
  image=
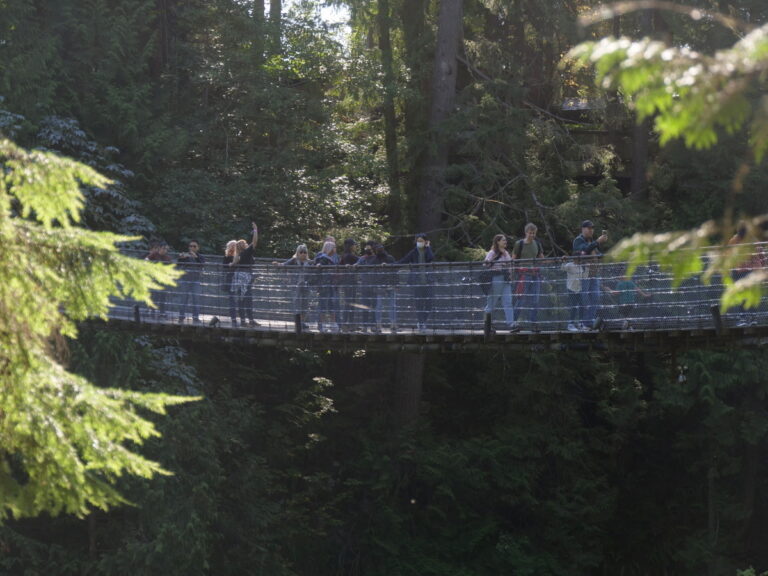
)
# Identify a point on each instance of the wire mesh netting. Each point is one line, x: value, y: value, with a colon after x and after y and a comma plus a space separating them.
x: 547, y: 295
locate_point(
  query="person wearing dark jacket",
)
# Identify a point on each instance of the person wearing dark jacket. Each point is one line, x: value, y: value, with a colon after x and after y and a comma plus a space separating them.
x: 420, y: 277
x: 326, y: 294
x: 191, y: 263
x: 348, y: 286
x: 242, y: 282
x: 366, y: 271
x: 299, y: 277
x: 158, y: 252
x: 386, y: 297
x: 587, y: 251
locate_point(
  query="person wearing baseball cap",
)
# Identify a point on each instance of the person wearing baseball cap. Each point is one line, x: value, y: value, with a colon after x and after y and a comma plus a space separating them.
x: 587, y: 252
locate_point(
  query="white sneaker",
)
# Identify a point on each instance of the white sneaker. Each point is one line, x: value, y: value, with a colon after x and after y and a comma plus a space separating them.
x: 572, y: 327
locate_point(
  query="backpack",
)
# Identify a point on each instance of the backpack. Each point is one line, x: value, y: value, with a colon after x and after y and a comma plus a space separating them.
x: 518, y: 249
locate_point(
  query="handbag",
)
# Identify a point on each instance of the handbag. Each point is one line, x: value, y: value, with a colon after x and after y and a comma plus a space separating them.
x: 485, y: 276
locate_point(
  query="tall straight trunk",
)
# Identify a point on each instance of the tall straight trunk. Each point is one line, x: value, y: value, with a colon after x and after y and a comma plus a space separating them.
x: 641, y: 134
x: 449, y: 29
x: 409, y: 376
x: 275, y: 26
x: 712, y: 520
x: 390, y: 120
x: 258, y: 32
x: 415, y: 40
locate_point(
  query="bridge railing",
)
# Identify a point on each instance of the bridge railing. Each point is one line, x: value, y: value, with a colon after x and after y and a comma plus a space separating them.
x: 440, y: 297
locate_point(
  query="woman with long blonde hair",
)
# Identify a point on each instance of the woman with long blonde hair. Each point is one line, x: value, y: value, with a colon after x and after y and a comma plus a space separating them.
x: 242, y: 281
x: 327, y: 292
x: 228, y: 273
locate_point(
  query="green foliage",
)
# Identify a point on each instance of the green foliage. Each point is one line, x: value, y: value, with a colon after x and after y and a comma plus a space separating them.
x: 695, y: 96
x: 64, y: 440
x: 689, y: 94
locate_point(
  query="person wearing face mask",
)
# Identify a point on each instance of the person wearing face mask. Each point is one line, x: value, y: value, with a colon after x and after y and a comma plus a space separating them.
x: 420, y: 278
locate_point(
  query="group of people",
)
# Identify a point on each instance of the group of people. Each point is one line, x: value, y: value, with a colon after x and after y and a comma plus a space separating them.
x: 348, y: 306
x: 370, y: 302
x: 524, y: 281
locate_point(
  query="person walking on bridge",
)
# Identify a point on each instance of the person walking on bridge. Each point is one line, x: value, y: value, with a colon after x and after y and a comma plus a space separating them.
x: 588, y: 252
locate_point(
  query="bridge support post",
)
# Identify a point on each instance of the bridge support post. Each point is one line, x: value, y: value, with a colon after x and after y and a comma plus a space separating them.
x: 297, y: 323
x: 409, y: 375
x: 136, y: 314
x: 487, y: 326
x: 717, y: 318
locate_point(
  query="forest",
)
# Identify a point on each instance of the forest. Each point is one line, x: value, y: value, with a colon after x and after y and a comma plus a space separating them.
x: 461, y: 119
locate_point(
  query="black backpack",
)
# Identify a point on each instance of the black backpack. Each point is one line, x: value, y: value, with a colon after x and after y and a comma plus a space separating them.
x: 518, y: 249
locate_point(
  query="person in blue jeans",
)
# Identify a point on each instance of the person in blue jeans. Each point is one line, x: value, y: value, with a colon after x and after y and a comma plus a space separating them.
x: 191, y: 263
x: 587, y: 251
x: 386, y: 298
x: 498, y: 261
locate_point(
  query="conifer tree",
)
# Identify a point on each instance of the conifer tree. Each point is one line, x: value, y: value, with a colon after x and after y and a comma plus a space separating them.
x: 63, y: 441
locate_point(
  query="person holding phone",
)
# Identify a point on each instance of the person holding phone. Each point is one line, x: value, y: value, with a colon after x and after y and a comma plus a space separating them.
x: 242, y: 282
x: 587, y: 251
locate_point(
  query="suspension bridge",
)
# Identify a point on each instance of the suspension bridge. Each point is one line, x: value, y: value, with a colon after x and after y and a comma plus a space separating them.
x: 441, y: 306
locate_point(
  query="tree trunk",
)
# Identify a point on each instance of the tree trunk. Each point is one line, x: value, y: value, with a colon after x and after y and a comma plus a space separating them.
x: 712, y: 521
x: 641, y: 135
x: 442, y: 103
x: 409, y: 375
x: 415, y: 40
x: 275, y: 26
x: 258, y: 32
x: 390, y: 120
